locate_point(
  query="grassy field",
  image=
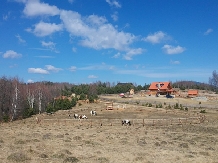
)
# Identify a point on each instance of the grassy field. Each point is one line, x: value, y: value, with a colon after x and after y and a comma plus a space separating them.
x: 157, y: 135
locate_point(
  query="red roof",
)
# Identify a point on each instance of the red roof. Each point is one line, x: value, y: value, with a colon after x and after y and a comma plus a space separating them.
x: 161, y: 85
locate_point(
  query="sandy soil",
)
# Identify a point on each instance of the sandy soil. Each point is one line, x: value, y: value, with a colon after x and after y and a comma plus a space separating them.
x: 157, y: 135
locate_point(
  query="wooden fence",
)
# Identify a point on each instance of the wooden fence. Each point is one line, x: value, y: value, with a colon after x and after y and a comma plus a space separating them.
x: 118, y: 122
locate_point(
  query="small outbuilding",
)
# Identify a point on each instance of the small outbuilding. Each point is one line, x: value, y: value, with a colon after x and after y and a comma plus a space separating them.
x: 192, y: 93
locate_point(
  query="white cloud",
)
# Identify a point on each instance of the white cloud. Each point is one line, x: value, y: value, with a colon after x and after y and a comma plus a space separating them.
x: 20, y: 39
x: 5, y: 17
x: 13, y: 66
x: 11, y: 54
x: 97, y: 36
x: 117, y: 55
x: 93, y: 31
x: 133, y: 52
x: 74, y: 49
x: 50, y: 45
x: 114, y: 3
x: 45, y: 56
x: 52, y: 68
x: 44, y: 29
x: 208, y: 31
x: 37, y: 71
x: 94, y: 20
x: 174, y: 62
x: 169, y: 49
x: 101, y: 66
x: 73, y: 68
x: 115, y: 16
x: 157, y: 37
x: 30, y: 81
x: 35, y: 8
x: 92, y: 77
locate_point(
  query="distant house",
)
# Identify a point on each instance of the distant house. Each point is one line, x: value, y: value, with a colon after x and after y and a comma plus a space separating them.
x: 192, y: 93
x: 162, y: 88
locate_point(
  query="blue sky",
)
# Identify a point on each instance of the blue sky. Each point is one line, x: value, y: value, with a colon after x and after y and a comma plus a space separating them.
x: 84, y: 41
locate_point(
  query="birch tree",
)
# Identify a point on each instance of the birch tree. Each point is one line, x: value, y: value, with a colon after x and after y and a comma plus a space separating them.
x: 30, y: 98
x: 15, y: 103
x: 40, y: 100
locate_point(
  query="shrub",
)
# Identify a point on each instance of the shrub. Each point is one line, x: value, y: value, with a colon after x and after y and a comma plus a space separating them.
x: 71, y: 159
x: 203, y: 111
x: 28, y: 112
x: 159, y: 106
x: 6, y: 118
x: 176, y: 106
x: 49, y: 108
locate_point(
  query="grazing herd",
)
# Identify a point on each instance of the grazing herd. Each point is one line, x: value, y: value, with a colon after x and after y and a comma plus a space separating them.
x: 125, y: 122
x: 77, y: 116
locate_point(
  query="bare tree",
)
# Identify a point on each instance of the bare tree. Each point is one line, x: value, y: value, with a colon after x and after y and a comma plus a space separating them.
x: 214, y: 79
x: 30, y: 98
x: 40, y: 100
x: 14, y: 103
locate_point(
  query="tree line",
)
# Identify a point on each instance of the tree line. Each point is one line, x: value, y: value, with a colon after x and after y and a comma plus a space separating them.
x: 22, y: 100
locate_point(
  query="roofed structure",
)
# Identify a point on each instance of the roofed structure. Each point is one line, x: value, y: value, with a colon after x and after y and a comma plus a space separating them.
x: 192, y: 93
x: 162, y: 88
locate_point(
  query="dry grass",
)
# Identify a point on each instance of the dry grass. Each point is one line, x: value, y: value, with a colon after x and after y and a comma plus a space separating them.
x: 160, y: 137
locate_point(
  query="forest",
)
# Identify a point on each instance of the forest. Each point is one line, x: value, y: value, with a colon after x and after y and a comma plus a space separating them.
x: 20, y: 100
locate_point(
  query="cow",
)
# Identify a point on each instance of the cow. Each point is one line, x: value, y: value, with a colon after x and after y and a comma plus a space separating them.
x: 93, y: 112
x: 83, y: 117
x: 126, y: 122
x: 76, y: 116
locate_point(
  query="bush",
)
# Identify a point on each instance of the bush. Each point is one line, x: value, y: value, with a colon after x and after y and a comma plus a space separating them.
x: 71, y: 159
x: 82, y: 96
x: 49, y: 108
x: 73, y: 102
x: 149, y: 105
x: 159, y: 106
x: 28, y: 112
x: 6, y: 118
x: 203, y: 111
x: 176, y: 106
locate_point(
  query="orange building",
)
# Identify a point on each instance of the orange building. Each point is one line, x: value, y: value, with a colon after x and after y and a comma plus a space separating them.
x: 192, y: 93
x: 162, y: 88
